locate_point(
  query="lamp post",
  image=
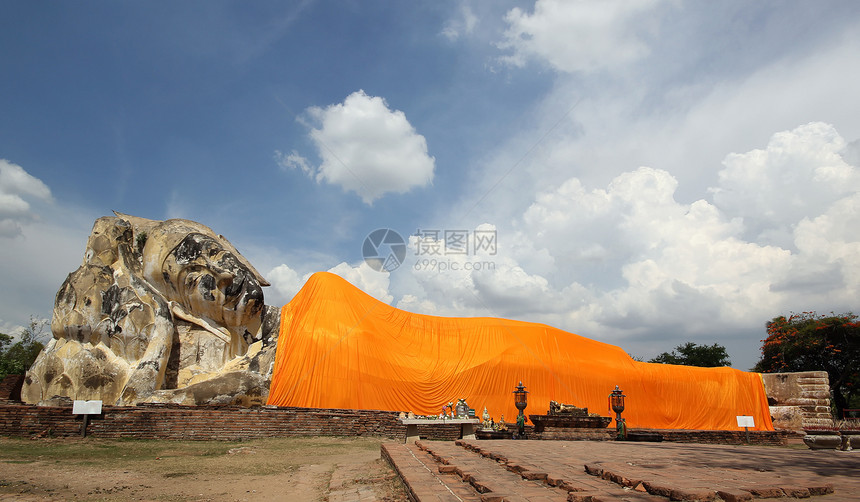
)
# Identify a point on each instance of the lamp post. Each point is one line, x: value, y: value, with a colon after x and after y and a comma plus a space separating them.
x: 521, y: 400
x: 616, y: 402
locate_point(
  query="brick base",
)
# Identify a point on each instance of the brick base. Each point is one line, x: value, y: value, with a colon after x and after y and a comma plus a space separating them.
x: 168, y: 421
x: 575, y: 434
x: 10, y: 387
x: 771, y: 438
x: 199, y: 422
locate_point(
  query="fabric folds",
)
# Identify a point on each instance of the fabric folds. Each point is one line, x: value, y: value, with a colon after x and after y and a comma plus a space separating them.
x: 341, y: 348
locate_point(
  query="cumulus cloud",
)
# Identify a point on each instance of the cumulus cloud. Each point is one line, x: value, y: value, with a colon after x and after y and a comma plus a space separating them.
x: 574, y: 36
x: 362, y: 276
x: 285, y: 283
x: 659, y: 252
x: 366, y: 148
x: 15, y: 184
x: 629, y: 260
x: 797, y: 175
x: 827, y: 270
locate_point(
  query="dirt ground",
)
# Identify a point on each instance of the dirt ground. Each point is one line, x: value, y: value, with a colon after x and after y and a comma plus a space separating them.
x: 301, y: 469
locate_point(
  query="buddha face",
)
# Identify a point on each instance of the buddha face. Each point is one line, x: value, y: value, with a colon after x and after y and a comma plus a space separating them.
x: 210, y: 280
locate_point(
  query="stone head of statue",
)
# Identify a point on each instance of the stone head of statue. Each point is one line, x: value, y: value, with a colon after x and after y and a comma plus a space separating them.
x: 202, y: 275
x: 155, y: 305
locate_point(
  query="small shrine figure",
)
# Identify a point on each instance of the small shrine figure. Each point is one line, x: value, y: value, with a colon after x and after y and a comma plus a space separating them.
x: 486, y: 417
x: 502, y: 426
x: 462, y: 410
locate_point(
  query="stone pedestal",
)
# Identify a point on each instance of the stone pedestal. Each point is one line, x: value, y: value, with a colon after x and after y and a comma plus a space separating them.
x: 576, y: 434
x: 467, y: 426
x: 823, y: 440
x: 488, y: 434
x: 543, y: 422
x: 572, y: 427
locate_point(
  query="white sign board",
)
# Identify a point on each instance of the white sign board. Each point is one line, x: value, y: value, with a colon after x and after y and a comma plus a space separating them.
x: 745, y: 421
x: 87, y: 407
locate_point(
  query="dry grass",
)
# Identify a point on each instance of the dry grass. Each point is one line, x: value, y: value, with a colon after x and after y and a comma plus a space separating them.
x: 106, y: 469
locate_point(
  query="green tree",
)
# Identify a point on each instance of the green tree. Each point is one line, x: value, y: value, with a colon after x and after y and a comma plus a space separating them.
x: 16, y: 358
x: 813, y: 342
x: 691, y: 354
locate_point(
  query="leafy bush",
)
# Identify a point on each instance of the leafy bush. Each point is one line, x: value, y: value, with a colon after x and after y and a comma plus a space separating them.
x: 16, y: 358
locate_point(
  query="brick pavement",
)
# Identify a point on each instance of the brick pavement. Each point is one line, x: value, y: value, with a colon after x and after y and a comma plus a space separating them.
x: 471, y: 470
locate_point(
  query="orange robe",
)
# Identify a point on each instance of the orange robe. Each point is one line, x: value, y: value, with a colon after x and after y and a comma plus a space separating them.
x: 340, y: 348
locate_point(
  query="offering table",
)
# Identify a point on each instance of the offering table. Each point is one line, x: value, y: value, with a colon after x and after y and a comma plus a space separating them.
x: 467, y: 426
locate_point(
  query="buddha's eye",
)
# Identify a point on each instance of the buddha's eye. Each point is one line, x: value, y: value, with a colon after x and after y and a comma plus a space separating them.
x: 187, y: 251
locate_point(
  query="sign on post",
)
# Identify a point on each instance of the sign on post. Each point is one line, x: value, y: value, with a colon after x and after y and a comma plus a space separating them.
x: 86, y: 408
x: 746, y: 422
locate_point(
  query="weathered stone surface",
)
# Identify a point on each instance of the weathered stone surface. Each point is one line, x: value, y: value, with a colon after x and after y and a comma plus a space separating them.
x: 158, y: 311
x: 787, y: 417
x: 798, y: 400
x: 781, y: 387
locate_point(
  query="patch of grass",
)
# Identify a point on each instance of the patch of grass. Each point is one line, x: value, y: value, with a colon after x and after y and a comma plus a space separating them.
x: 178, y: 474
x: 167, y: 458
x: 107, y: 452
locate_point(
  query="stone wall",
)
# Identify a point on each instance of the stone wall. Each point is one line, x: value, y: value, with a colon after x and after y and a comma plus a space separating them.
x: 233, y: 423
x: 726, y: 437
x: 798, y: 400
x: 198, y: 422
x: 10, y: 387
x: 158, y: 421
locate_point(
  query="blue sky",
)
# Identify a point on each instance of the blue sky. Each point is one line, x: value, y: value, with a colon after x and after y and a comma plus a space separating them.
x: 655, y: 171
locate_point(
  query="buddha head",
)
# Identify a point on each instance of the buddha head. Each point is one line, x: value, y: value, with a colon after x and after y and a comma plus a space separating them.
x: 202, y: 273
x: 156, y: 306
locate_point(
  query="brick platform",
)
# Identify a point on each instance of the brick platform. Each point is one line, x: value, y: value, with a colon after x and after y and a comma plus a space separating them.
x: 160, y: 421
x: 475, y: 470
x: 199, y: 422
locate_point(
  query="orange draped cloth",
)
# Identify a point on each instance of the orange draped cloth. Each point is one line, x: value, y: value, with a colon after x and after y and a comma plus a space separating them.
x: 340, y: 348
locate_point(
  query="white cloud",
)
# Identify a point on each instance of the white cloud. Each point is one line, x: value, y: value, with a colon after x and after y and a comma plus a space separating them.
x: 294, y: 161
x: 578, y: 35
x: 370, y: 281
x: 366, y: 148
x: 35, y: 264
x: 682, y: 117
x: 629, y: 264
x: 15, y: 211
x: 8, y: 328
x: 797, y: 175
x: 463, y: 23
x: 285, y: 284
x: 828, y: 268
x: 659, y: 252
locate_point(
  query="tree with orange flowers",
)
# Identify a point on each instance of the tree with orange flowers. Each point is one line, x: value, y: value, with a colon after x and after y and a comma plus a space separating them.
x: 813, y: 342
